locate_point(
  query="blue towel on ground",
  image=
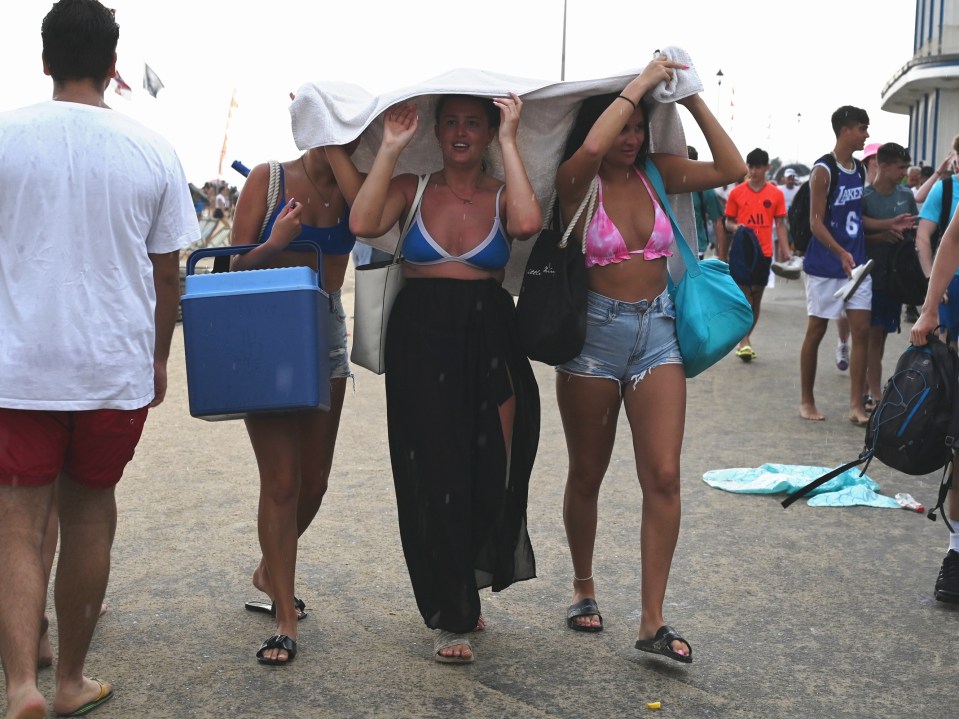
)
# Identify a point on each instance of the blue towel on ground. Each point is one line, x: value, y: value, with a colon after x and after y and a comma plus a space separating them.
x: 846, y: 490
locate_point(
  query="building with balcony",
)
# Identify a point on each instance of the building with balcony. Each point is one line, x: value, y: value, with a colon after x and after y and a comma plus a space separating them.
x: 926, y: 88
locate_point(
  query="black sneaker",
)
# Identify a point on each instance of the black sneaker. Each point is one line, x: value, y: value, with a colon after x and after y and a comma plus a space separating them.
x: 911, y: 314
x: 947, y: 585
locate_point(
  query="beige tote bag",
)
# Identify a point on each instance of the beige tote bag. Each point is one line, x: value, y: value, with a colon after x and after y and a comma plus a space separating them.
x: 377, y: 285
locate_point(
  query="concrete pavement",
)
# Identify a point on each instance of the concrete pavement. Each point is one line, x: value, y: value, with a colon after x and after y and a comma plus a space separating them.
x: 806, y: 612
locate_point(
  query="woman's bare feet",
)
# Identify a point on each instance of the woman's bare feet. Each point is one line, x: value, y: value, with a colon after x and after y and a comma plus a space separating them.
x: 457, y: 650
x: 452, y: 648
x: 585, y: 589
x: 261, y: 580
x: 809, y: 411
x: 480, y: 624
x: 279, y: 655
x: 680, y: 646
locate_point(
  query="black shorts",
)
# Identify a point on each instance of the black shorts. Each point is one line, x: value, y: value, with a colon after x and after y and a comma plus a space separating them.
x: 218, y: 214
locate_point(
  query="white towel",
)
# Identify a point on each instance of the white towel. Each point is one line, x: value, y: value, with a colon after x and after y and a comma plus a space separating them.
x: 683, y: 82
x: 335, y: 113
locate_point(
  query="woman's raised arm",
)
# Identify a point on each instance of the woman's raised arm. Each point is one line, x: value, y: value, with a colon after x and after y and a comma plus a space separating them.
x: 680, y: 174
x: 379, y: 203
x: 524, y: 217
x: 576, y: 173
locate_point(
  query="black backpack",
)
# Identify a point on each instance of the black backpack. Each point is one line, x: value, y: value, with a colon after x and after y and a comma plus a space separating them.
x: 799, y: 210
x: 945, y: 213
x: 905, y: 280
x: 744, y: 254
x: 915, y: 425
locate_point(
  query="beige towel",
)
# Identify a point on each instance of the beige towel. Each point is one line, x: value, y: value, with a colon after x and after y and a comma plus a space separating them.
x: 325, y: 113
x: 683, y: 83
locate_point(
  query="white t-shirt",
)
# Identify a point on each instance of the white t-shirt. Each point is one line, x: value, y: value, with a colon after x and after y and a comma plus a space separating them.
x: 86, y: 193
x: 789, y: 194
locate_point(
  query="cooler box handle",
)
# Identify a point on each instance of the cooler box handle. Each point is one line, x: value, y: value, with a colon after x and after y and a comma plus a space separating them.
x: 198, y: 255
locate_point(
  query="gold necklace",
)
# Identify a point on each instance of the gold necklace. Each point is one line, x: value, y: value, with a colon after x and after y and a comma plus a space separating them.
x: 326, y: 202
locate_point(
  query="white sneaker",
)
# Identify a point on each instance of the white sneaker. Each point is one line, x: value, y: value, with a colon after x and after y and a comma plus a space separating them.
x: 842, y: 356
x: 855, y: 279
x: 791, y: 269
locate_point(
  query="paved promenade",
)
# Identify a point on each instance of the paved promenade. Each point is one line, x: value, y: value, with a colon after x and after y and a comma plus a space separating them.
x: 806, y: 612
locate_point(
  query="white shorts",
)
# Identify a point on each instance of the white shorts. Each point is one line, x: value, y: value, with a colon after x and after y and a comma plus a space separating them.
x: 821, y: 303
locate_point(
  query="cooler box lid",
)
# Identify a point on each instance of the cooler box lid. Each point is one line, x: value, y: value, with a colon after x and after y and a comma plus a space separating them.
x: 278, y: 279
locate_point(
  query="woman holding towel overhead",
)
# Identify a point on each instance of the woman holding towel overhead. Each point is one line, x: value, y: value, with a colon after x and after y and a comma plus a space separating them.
x: 462, y: 402
x: 631, y: 356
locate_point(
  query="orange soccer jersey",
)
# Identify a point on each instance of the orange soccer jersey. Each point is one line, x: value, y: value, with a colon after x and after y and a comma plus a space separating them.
x: 757, y: 210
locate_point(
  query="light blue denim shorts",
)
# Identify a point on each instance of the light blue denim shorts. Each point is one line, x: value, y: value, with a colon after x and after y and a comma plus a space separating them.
x: 336, y: 338
x: 626, y: 340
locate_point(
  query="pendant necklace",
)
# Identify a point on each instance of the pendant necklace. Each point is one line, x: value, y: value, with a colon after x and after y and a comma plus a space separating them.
x: 464, y: 200
x: 326, y: 202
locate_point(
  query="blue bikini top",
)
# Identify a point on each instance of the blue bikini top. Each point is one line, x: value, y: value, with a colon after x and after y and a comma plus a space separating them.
x: 419, y: 248
x: 336, y: 240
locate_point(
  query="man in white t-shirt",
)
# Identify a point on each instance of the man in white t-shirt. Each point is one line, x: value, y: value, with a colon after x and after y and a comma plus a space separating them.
x: 789, y: 188
x: 95, y: 209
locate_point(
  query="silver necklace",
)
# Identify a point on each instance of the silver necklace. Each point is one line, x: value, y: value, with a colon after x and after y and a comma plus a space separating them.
x: 326, y: 202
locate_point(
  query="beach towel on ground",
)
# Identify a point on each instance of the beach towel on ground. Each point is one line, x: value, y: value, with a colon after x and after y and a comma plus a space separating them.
x: 335, y: 113
x: 846, y: 490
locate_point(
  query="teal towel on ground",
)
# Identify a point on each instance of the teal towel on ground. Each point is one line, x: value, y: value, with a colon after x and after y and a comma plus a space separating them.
x: 846, y: 490
x: 852, y: 496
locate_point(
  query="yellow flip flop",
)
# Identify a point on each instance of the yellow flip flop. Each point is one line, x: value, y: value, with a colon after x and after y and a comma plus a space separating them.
x: 106, y: 693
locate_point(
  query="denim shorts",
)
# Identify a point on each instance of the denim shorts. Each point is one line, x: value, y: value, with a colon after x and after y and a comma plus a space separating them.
x: 336, y: 338
x: 626, y: 340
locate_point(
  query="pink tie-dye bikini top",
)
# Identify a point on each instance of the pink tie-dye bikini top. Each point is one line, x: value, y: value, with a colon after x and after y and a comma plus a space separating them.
x: 605, y: 244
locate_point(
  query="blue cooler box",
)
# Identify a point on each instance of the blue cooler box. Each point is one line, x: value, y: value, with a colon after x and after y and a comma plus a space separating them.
x: 255, y: 341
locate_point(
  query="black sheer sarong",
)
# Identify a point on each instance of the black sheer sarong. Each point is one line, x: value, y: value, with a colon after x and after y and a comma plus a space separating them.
x: 452, y: 359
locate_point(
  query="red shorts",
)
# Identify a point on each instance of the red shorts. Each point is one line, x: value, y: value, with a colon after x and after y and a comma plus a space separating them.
x: 91, y: 447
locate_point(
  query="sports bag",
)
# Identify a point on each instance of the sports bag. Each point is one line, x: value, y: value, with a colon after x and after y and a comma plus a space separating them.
x: 551, y: 307
x: 915, y: 425
x: 905, y: 280
x: 712, y: 314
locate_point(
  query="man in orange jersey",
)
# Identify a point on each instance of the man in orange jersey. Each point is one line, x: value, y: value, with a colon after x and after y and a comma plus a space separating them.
x: 755, y: 206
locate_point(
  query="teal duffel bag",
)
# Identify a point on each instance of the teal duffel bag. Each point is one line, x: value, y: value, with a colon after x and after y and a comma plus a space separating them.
x: 712, y: 314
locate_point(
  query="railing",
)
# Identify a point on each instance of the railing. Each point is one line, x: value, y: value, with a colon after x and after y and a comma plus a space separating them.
x: 950, y: 59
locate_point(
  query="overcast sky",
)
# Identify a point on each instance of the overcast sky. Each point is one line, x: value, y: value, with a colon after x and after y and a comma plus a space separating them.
x: 798, y: 62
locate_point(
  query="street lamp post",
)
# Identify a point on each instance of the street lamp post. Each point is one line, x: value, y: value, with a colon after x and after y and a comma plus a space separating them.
x: 562, y: 67
x: 798, y: 133
x: 719, y: 88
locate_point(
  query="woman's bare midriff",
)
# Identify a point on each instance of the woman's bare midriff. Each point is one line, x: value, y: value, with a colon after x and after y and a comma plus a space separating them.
x: 451, y: 270
x: 632, y: 280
